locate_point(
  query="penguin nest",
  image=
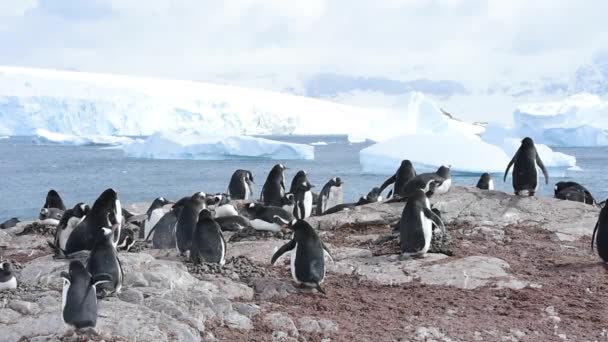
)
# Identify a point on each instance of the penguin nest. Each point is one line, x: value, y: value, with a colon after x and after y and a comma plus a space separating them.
x: 89, y: 334
x: 390, y: 244
x: 250, y: 234
x: 39, y: 229
x: 236, y: 268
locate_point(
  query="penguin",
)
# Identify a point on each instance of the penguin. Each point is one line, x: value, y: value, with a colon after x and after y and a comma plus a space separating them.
x: 232, y: 223
x: 186, y: 222
x: 524, y: 162
x: 223, y: 207
x: 50, y: 216
x: 288, y: 202
x: 164, y: 238
x: 104, y: 260
x: 53, y: 200
x: 331, y: 195
x: 268, y: 218
x: 105, y: 212
x: 415, y: 225
x: 300, y: 177
x: 7, y: 278
x: 127, y: 239
x: 208, y: 244
x: 10, y: 223
x: 79, y: 300
x: 303, y: 198
x: 307, y: 256
x: 372, y: 197
x: 274, y: 187
x: 485, y: 182
x: 70, y: 219
x: 240, y: 187
x: 404, y: 173
x: 153, y: 215
x: 428, y: 185
x: 573, y: 191
x: 601, y: 229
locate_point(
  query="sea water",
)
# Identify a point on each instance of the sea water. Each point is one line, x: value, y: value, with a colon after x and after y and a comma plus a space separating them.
x: 80, y: 173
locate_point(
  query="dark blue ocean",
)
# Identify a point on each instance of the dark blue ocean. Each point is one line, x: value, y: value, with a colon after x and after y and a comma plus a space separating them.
x: 80, y: 173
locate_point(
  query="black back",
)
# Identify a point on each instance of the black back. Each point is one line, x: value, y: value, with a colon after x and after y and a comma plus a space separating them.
x: 232, y: 223
x: 104, y: 259
x: 53, y: 200
x: 80, y: 303
x: 573, y: 191
x: 410, y: 225
x: 600, y: 234
x: 187, y: 220
x: 267, y: 213
x: 310, y: 261
x: 525, y: 176
x: 274, y: 188
x: 164, y: 230
x: 9, y: 223
x: 484, y: 181
x: 79, y: 211
x: 208, y: 244
x: 236, y: 187
x: 100, y: 215
x: 297, y: 180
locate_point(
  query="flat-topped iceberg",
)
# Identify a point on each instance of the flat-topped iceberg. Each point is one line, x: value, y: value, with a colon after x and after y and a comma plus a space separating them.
x: 172, y: 145
x: 44, y: 136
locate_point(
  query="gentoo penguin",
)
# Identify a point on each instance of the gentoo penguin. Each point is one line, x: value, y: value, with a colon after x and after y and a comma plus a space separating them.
x: 274, y: 188
x: 186, y: 222
x: 331, y: 195
x: 268, y: 218
x: 10, y: 223
x: 164, y: 236
x: 288, y: 202
x: 524, y: 162
x: 240, y: 185
x: 79, y: 300
x: 53, y: 200
x: 232, y: 223
x: 427, y: 185
x: 307, y: 255
x: 404, y: 173
x: 105, y: 212
x: 153, y: 215
x: 104, y: 260
x: 7, y: 278
x: 50, y: 216
x: 416, y: 223
x: 71, y: 218
x: 371, y: 197
x: 298, y: 179
x: 303, y: 197
x: 601, y: 229
x: 485, y: 182
x: 573, y: 191
x: 208, y: 243
x: 223, y: 207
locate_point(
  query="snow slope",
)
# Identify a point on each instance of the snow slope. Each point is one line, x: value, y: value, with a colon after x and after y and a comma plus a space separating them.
x: 171, y: 145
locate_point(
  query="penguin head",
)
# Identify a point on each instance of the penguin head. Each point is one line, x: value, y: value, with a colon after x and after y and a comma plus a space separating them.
x: 288, y: 199
x: 107, y: 202
x: 205, y: 214
x: 76, y: 270
x: 527, y: 142
x: 406, y: 164
x: 199, y: 198
x: 336, y: 181
x: 5, y: 266
x: 374, y: 195
x: 444, y: 171
x: 44, y: 214
x: 80, y: 210
x: 283, y: 222
x: 486, y: 176
x: 305, y: 186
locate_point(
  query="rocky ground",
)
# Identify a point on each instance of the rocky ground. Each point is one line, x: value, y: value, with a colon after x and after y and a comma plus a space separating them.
x: 516, y: 269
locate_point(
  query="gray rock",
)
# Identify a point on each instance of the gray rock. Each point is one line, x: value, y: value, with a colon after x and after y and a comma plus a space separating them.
x: 8, y: 316
x: 24, y: 308
x: 249, y: 310
x: 269, y: 288
x: 131, y: 296
x: 235, y: 320
x: 280, y: 321
x: 309, y: 325
x: 281, y: 336
x: 260, y: 251
x: 328, y: 326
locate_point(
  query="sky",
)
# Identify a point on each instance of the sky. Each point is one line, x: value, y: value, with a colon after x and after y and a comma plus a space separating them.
x: 279, y: 44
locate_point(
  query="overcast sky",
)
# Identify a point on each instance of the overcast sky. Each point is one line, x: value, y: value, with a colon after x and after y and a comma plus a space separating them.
x: 474, y: 42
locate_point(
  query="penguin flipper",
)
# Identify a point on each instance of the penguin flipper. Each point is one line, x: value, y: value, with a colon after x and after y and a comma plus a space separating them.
x: 594, y: 231
x: 388, y: 182
x: 542, y: 167
x: 504, y: 179
x: 101, y: 278
x: 286, y: 247
x: 433, y: 217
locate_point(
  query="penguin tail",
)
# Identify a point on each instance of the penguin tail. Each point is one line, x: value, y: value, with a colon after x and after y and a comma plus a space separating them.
x: 319, y: 288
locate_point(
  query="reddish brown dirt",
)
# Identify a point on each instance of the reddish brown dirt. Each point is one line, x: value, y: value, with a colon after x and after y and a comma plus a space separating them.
x: 567, y: 277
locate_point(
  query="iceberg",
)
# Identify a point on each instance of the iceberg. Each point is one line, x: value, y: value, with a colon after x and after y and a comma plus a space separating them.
x: 194, y: 145
x: 43, y: 136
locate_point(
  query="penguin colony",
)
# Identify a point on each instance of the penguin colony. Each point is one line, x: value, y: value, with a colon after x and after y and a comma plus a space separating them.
x: 193, y: 225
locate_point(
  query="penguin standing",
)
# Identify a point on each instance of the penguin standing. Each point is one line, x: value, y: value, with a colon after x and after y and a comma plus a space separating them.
x: 104, y: 260
x: 268, y: 218
x: 105, y: 212
x: 274, y: 188
x: 7, y: 278
x: 240, y: 187
x: 153, y: 215
x: 208, y: 244
x: 79, y: 300
x: 404, y: 173
x: 301, y: 190
x: 485, y: 182
x: 53, y: 200
x: 307, y: 256
x: 601, y: 229
x: 524, y: 162
x: 416, y: 224
x: 164, y: 236
x: 330, y: 196
x: 187, y: 220
x: 573, y: 191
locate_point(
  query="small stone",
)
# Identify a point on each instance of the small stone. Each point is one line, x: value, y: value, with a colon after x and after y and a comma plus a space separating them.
x: 131, y: 296
x: 280, y: 321
x: 550, y: 310
x: 249, y: 310
x: 24, y: 308
x: 281, y: 336
x: 309, y: 325
x: 235, y: 320
x: 328, y: 326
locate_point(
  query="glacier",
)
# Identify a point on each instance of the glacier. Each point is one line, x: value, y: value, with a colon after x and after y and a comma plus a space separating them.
x: 43, y: 136
x: 189, y: 145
